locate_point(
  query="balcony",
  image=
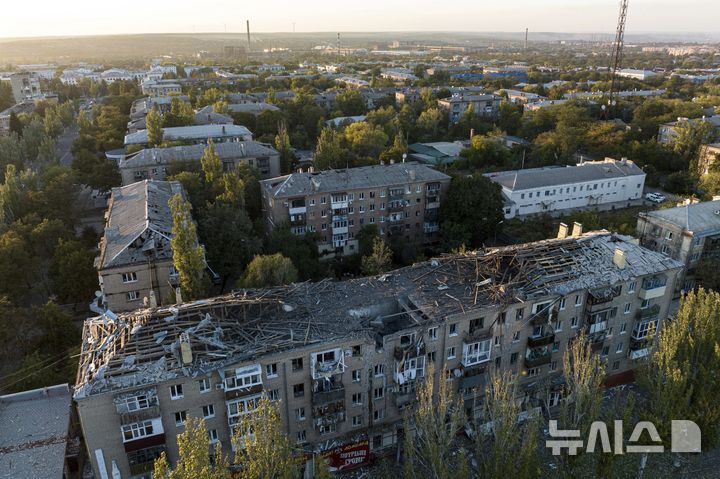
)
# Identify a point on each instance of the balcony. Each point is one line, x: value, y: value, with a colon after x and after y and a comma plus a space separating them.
x: 324, y: 369
x: 542, y: 340
x: 648, y: 312
x: 639, y: 353
x: 139, y: 415
x: 431, y: 228
x: 299, y: 210
x: 329, y: 410
x: 402, y: 399
x: 320, y: 398
x: 652, y: 289
x: 141, y: 468
x: 409, y: 351
x: 477, y: 334
x: 541, y: 317
x: 339, y: 203
x: 598, y: 327
x: 396, y: 206
x: 537, y: 357
x: 329, y: 419
x: 239, y: 392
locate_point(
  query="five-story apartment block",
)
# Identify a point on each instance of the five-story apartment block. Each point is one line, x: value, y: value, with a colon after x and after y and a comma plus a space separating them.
x: 401, y: 199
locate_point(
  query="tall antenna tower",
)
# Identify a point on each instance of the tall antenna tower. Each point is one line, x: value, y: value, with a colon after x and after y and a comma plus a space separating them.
x: 247, y: 22
x: 616, y: 58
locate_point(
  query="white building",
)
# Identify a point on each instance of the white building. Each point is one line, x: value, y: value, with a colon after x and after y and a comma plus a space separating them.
x: 196, y: 134
x: 636, y: 74
x: 555, y: 188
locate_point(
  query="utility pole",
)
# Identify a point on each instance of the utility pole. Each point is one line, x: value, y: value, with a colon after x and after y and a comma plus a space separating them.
x: 616, y: 59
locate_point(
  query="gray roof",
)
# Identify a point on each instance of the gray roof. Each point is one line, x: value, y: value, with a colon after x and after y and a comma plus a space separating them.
x: 228, y: 150
x: 245, y: 325
x: 195, y: 132
x: 300, y: 184
x: 254, y: 108
x: 344, y: 120
x: 702, y: 219
x: 208, y: 116
x: 139, y: 223
x: 559, y: 175
x: 34, y: 432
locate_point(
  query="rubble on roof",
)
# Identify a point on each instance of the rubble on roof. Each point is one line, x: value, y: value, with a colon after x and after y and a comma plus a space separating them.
x: 248, y: 324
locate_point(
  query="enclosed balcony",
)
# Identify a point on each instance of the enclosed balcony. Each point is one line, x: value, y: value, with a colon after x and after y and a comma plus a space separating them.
x: 653, y: 288
x: 545, y: 337
x: 403, y: 398
x: 648, y: 313
x: 327, y: 363
x: 331, y: 395
x: 535, y: 357
x: 339, y: 201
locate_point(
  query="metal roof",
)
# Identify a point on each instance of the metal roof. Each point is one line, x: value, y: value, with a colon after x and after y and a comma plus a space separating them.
x: 226, y: 151
x: 194, y: 132
x: 701, y: 219
x: 376, y: 176
x: 558, y: 175
x: 34, y: 432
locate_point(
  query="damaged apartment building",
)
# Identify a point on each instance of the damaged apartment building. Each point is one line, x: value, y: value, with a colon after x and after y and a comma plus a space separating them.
x: 401, y: 199
x: 135, y: 264
x: 344, y: 359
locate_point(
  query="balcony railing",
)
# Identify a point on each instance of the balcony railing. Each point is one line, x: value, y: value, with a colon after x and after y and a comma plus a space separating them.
x: 535, y: 358
x: 404, y: 398
x: 142, y: 467
x: 138, y: 415
x: 325, y: 397
x: 639, y: 353
x: 648, y: 312
x: 542, y: 340
x: 239, y: 392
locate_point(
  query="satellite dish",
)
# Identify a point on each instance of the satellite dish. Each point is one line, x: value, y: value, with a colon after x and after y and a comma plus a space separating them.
x: 457, y: 372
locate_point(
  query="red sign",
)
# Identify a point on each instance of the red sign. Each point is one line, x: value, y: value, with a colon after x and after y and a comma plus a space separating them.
x: 348, y: 456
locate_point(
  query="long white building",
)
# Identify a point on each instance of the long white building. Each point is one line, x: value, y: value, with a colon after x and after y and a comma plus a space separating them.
x: 554, y: 188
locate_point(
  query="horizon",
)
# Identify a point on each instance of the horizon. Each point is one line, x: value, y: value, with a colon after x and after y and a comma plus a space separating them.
x: 81, y: 18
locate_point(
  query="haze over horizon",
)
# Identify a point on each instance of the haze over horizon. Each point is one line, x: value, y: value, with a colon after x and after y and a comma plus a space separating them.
x: 84, y: 17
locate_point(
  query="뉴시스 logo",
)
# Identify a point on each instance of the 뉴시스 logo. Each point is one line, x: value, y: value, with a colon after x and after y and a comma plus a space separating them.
x: 685, y: 437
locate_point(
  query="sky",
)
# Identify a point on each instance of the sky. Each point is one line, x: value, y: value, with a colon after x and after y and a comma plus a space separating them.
x: 94, y: 17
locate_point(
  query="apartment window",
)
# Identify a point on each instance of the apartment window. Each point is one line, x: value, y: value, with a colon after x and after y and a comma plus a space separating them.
x: 138, y: 430
x: 431, y: 356
x: 357, y: 420
x: 271, y: 370
x: 312, y: 202
x: 357, y: 375
x: 372, y: 206
x: 516, y: 337
x: 362, y: 195
x: 669, y: 235
x: 176, y: 391
x: 323, y: 200
x: 208, y: 411
x: 453, y: 329
x: 372, y: 220
x: 300, y: 414
x: 301, y: 436
x: 519, y: 314
x: 553, y: 366
x: 616, y: 365
x: 180, y: 418
x: 129, y: 277
x: 451, y: 352
x: 574, y: 322
x: 274, y: 394
x: 432, y: 333
x: 323, y: 226
x: 379, y: 370
x: 357, y: 399
x: 631, y: 288
x: 297, y: 364
x: 559, y: 326
x: 378, y: 414
x: 562, y: 304
x: 623, y: 328
x: 556, y: 346
x: 204, y: 385
x: 356, y: 351
x: 299, y: 390
x: 498, y: 361
x: 378, y: 393
x: 618, y: 348
x: 372, y: 194
x: 578, y: 301
x: 362, y: 208
x: 645, y: 304
x: 513, y: 358
x: 627, y: 308
x: 133, y: 295
x: 213, y: 436
x: 533, y: 372
x: 605, y: 351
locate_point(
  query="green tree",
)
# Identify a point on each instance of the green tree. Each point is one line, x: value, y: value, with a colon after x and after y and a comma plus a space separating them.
x: 72, y: 272
x: 266, y: 453
x: 350, y: 103
x: 84, y: 124
x: 16, y: 125
x: 193, y: 458
x: 211, y: 164
x: 32, y: 137
x: 52, y: 123
x: 365, y: 139
x: 329, y: 153
x: 680, y: 377
x: 431, y: 124
x: 154, y: 125
x: 379, y: 260
x: 188, y: 256
x: 228, y: 234
x: 510, y: 118
x: 431, y: 430
x: 472, y: 212
x: 269, y: 270
x: 47, y: 153
x: 302, y: 250
x: 396, y: 150
x: 282, y: 145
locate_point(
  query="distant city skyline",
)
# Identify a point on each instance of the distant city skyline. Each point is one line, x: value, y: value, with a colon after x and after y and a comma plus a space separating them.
x: 88, y: 17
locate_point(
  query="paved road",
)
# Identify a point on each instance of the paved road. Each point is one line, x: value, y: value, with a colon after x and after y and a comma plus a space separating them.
x: 64, y: 143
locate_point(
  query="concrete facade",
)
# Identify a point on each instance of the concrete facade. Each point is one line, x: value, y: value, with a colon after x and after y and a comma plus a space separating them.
x: 401, y: 199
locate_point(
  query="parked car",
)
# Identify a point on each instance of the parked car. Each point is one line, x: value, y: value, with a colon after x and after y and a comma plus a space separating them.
x: 655, y: 197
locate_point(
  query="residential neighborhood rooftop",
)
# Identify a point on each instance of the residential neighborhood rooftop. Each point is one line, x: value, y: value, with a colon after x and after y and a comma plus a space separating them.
x: 228, y: 150
x: 702, y: 219
x: 194, y: 132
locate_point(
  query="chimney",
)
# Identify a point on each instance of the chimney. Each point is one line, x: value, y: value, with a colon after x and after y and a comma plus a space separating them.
x: 311, y: 169
x: 563, y: 231
x: 577, y: 229
x: 153, y: 299
x: 185, y: 349
x: 178, y: 295
x: 619, y: 258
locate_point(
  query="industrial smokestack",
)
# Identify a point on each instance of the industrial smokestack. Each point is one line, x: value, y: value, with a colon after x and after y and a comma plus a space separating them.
x: 247, y: 22
x: 338, y: 43
x: 526, y: 35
